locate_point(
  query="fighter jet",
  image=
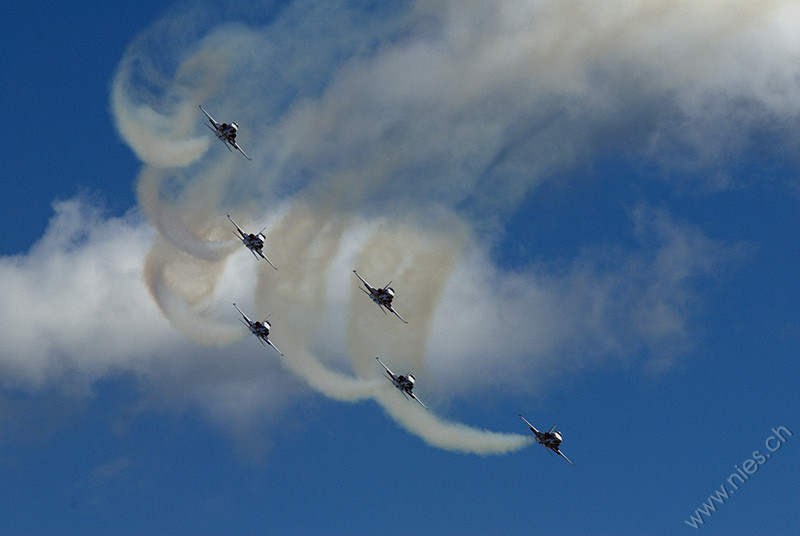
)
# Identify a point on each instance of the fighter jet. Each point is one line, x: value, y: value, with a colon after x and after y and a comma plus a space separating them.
x: 254, y: 242
x: 381, y: 296
x: 259, y: 329
x: 405, y: 384
x: 550, y: 439
x: 226, y: 132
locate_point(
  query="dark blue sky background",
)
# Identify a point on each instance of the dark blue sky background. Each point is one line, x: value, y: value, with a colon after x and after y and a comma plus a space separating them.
x: 136, y: 440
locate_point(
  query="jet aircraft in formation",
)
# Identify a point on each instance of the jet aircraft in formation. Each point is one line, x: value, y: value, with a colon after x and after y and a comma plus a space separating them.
x: 226, y: 132
x: 550, y: 439
x: 259, y: 329
x: 254, y: 242
x: 381, y: 296
x: 404, y: 383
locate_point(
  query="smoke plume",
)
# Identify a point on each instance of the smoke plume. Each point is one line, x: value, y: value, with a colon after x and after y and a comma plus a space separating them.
x: 395, y: 140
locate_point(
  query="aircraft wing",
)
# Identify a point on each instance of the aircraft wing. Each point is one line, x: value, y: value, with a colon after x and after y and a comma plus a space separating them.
x: 365, y: 283
x: 234, y: 224
x: 534, y: 430
x: 266, y: 259
x: 562, y: 455
x: 281, y: 353
x: 236, y: 146
x: 391, y: 374
x: 208, y: 115
x: 249, y: 322
x: 397, y: 314
x: 423, y: 405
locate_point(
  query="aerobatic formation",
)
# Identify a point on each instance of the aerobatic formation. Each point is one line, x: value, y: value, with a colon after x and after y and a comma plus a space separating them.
x: 430, y: 125
x: 382, y: 296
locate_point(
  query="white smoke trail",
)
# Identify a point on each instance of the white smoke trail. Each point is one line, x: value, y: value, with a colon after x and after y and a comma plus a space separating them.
x: 330, y: 383
x: 390, y: 140
x: 448, y: 435
x: 182, y: 287
x: 183, y: 221
x: 156, y: 138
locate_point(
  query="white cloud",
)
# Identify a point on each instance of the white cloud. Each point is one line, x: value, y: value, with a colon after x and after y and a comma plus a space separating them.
x: 75, y: 307
x: 518, y: 329
x: 76, y: 310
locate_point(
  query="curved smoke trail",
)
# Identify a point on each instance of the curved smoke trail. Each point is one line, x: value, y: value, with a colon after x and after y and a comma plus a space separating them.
x: 386, y: 139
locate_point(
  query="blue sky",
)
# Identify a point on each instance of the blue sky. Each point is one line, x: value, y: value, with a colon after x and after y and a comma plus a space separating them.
x: 589, y: 214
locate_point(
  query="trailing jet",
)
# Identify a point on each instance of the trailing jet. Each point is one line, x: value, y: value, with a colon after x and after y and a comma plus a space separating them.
x: 226, y: 132
x: 382, y: 296
x: 405, y: 384
x: 254, y: 242
x: 550, y: 439
x: 259, y: 329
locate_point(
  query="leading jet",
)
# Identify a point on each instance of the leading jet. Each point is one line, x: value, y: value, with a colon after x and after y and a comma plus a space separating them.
x: 226, y: 132
x: 550, y: 439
